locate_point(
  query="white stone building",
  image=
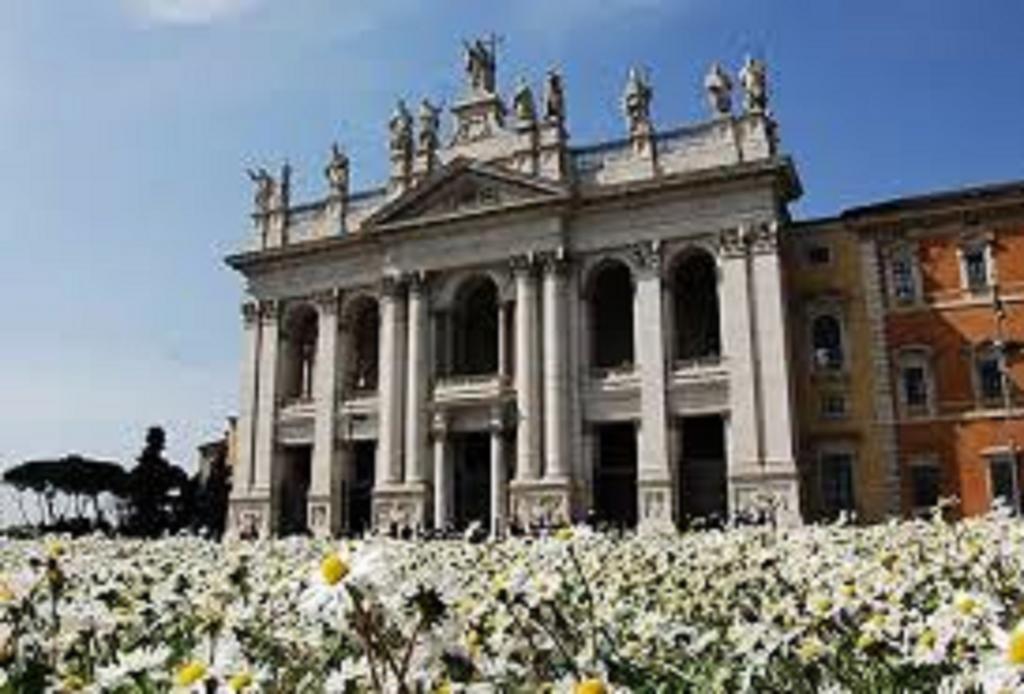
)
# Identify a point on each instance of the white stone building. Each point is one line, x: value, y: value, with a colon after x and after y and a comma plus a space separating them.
x: 516, y: 330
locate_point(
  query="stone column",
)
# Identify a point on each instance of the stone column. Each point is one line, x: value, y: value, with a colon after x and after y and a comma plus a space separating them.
x: 774, y: 384
x: 325, y: 404
x: 527, y: 381
x: 738, y: 350
x: 266, y: 449
x: 442, y: 473
x: 416, y: 384
x: 556, y: 377
x: 244, y: 471
x: 390, y: 378
x: 503, y: 344
x: 654, y: 476
x: 498, y: 492
x: 341, y: 481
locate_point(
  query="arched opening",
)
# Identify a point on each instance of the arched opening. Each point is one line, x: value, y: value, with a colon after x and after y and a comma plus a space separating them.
x: 827, y: 342
x: 475, y: 329
x: 361, y: 375
x: 298, y: 352
x: 695, y: 308
x: 611, y: 314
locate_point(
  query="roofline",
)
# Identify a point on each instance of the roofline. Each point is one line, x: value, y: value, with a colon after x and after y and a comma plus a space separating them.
x: 955, y: 196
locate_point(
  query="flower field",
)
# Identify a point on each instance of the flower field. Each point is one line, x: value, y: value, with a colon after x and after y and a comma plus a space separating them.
x: 917, y: 606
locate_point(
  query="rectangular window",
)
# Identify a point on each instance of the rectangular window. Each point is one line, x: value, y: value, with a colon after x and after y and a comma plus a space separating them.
x: 925, y: 480
x: 837, y: 482
x: 915, y: 387
x: 1003, y: 480
x: 990, y: 377
x: 975, y: 262
x: 903, y: 285
x: 818, y: 254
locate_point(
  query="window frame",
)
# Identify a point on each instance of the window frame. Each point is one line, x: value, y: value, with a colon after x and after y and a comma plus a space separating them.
x: 982, y: 353
x: 1010, y: 458
x: 907, y: 252
x: 924, y: 461
x: 916, y: 356
x: 967, y: 246
x: 837, y: 450
x: 834, y: 311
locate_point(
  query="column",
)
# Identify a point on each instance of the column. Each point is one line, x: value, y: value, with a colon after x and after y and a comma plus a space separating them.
x: 265, y: 458
x: 390, y: 375
x: 649, y: 346
x: 527, y: 382
x: 738, y: 353
x: 442, y: 473
x: 341, y: 481
x: 556, y: 396
x: 266, y: 412
x: 416, y: 384
x: 244, y: 465
x: 325, y: 366
x: 774, y: 384
x: 498, y: 494
x: 503, y: 344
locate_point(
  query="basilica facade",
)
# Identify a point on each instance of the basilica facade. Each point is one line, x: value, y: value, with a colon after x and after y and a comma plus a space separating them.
x: 513, y: 330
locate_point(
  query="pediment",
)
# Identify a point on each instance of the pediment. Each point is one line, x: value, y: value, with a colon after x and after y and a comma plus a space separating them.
x: 464, y: 188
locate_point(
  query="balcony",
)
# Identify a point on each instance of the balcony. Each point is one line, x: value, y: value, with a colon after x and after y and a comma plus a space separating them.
x: 469, y: 388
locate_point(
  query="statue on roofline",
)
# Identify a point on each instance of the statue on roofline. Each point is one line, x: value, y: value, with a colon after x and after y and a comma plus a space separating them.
x: 636, y: 102
x: 481, y: 65
x: 523, y: 104
x: 430, y: 126
x: 337, y: 171
x: 554, y: 98
x: 270, y: 193
x: 754, y: 79
x: 400, y: 127
x: 719, y: 88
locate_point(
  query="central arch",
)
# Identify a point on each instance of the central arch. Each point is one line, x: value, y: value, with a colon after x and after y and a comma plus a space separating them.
x: 475, y: 328
x: 695, y: 308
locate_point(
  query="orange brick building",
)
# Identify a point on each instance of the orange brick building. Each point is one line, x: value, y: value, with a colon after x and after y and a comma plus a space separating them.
x: 942, y: 287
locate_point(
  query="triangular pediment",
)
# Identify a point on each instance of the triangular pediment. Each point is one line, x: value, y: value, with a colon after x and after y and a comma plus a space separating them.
x: 465, y: 187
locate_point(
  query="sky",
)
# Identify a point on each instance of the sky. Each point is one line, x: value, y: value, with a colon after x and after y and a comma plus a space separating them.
x: 126, y: 127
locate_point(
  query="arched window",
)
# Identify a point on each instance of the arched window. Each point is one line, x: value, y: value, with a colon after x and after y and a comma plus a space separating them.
x: 827, y: 342
x: 695, y: 304
x: 364, y: 319
x: 475, y: 329
x: 611, y: 313
x: 298, y: 352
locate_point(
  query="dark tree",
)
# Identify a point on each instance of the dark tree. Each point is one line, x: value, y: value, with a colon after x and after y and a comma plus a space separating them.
x: 159, y: 492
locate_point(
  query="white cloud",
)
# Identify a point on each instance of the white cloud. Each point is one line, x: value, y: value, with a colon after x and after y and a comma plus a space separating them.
x: 188, y: 11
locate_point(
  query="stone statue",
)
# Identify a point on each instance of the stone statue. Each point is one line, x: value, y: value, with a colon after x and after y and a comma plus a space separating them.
x: 554, y: 98
x: 430, y: 125
x: 337, y: 171
x: 754, y: 79
x: 481, y: 65
x: 523, y: 104
x: 719, y: 88
x: 636, y: 102
x: 400, y: 127
x: 266, y: 189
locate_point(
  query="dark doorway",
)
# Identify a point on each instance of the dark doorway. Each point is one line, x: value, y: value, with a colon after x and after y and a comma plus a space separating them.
x: 702, y: 472
x: 611, y: 311
x: 294, y: 490
x: 472, y: 455
x: 360, y: 487
x: 615, y: 475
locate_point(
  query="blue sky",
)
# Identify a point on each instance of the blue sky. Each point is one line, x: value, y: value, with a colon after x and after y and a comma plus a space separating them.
x: 125, y: 127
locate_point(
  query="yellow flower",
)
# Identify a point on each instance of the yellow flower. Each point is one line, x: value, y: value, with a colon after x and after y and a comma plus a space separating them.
x: 865, y: 641
x: 965, y: 603
x: 73, y: 683
x: 590, y: 686
x: 240, y: 682
x: 6, y: 594
x: 54, y: 548
x: 564, y: 534
x: 333, y: 569
x: 190, y: 673
x: 810, y: 649
x: 927, y: 639
x: 1015, y: 646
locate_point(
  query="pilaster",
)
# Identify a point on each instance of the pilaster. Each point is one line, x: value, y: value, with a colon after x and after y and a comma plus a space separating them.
x: 498, y: 489
x: 416, y: 383
x: 556, y: 396
x: 320, y: 508
x: 391, y: 375
x: 443, y: 479
x: 654, y: 475
x: 527, y: 377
